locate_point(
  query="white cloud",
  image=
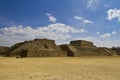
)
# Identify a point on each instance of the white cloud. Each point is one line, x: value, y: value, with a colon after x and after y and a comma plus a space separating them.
x: 92, y: 3
x: 113, y: 13
x: 58, y: 31
x: 78, y: 17
x: 114, y: 32
x: 85, y: 21
x: 106, y: 35
x: 51, y: 18
x: 97, y: 32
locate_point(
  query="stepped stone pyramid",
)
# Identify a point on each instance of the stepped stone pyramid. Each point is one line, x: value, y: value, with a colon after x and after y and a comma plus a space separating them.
x: 48, y: 48
x: 85, y: 48
x: 3, y: 50
x: 36, y: 48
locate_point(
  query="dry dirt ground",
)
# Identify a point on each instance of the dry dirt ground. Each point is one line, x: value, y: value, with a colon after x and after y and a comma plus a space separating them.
x: 60, y: 68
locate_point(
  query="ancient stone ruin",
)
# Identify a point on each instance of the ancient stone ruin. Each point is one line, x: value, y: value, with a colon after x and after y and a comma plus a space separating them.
x: 117, y: 50
x: 85, y: 48
x: 36, y: 48
x: 3, y: 50
x: 48, y: 48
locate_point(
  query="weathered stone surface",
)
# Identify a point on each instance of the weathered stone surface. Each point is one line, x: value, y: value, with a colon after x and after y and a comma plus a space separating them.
x: 45, y: 53
x: 85, y: 48
x: 82, y: 43
x: 116, y: 49
x: 3, y: 50
x: 48, y: 48
x: 36, y: 47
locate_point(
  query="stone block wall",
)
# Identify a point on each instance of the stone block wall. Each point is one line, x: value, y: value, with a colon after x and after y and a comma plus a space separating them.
x: 43, y: 53
x: 81, y: 43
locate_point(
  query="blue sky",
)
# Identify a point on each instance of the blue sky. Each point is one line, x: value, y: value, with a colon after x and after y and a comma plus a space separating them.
x: 63, y: 20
